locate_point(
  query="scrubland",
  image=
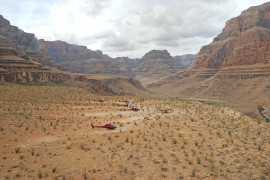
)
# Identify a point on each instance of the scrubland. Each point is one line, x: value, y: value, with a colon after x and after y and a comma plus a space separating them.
x: 45, y: 132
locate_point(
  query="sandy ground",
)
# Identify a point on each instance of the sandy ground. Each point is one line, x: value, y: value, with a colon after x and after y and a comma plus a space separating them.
x: 45, y: 132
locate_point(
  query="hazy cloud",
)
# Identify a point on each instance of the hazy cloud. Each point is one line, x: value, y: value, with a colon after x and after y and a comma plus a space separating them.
x: 124, y: 27
x: 94, y: 7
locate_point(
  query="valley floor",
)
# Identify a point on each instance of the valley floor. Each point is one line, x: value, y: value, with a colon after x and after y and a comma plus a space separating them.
x: 45, y: 132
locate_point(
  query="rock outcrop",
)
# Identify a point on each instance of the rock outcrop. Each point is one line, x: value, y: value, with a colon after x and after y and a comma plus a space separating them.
x: 79, y: 59
x: 14, y: 37
x: 185, y: 60
x: 110, y: 85
x: 159, y: 63
x: 17, y: 38
x: 27, y: 60
x: 245, y: 40
x: 235, y: 67
x: 16, y: 66
x: 157, y: 54
x: 130, y: 63
x: 59, y: 54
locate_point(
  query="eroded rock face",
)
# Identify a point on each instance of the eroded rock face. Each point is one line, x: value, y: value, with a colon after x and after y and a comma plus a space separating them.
x: 37, y: 77
x: 109, y: 85
x: 79, y: 59
x: 245, y: 40
x: 157, y: 54
x: 17, y: 38
x: 234, y: 67
x: 61, y: 47
x: 186, y: 60
x: 160, y: 63
x: 16, y: 66
x: 14, y: 37
x: 130, y: 63
x: 59, y: 54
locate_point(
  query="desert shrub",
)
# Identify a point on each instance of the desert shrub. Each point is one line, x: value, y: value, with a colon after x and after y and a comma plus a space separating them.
x: 54, y: 169
x: 193, y: 172
x: 198, y: 160
x: 164, y: 169
x: 17, y: 149
x: 259, y: 147
x: 39, y: 173
x: 84, y: 174
x: 163, y: 176
x: 32, y: 152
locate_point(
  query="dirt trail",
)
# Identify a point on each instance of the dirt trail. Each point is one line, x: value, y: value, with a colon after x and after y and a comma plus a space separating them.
x: 108, y: 113
x: 130, y: 119
x: 40, y: 140
x: 136, y: 116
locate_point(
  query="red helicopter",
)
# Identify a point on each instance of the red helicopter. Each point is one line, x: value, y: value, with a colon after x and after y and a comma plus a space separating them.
x: 125, y: 101
x: 133, y: 109
x: 108, y: 126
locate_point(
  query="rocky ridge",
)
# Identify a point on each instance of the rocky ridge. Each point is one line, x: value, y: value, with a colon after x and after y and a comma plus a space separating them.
x: 80, y: 59
x: 245, y: 40
x: 73, y: 58
x: 26, y: 60
x: 235, y: 67
x: 110, y: 85
x: 161, y: 63
x: 186, y: 60
x: 16, y: 66
x: 240, y: 49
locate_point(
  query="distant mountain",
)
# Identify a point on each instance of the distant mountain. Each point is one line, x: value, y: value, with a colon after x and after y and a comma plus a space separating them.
x: 185, y: 60
x: 17, y: 38
x: 130, y: 63
x: 156, y: 54
x: 14, y: 37
x: 155, y: 64
x: 244, y: 41
x: 74, y: 58
x: 79, y: 59
x: 234, y: 67
x: 25, y: 59
x: 16, y: 66
x: 161, y: 63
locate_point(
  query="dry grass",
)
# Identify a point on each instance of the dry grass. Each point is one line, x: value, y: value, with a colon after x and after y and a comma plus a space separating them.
x: 45, y: 132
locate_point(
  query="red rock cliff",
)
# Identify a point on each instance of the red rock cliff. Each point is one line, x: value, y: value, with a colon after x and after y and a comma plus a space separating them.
x: 245, y: 40
x: 16, y: 66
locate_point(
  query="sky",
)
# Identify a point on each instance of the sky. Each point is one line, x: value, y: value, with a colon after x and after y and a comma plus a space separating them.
x: 126, y: 27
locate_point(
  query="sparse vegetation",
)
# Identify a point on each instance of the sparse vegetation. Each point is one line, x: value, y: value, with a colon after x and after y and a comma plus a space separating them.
x: 17, y: 149
x: 193, y: 141
x: 39, y: 173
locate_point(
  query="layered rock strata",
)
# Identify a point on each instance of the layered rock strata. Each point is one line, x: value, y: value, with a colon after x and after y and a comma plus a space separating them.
x: 16, y: 66
x: 161, y: 63
x: 245, y: 40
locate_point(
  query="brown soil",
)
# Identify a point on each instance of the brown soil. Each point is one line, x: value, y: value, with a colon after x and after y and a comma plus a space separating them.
x: 45, y: 132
